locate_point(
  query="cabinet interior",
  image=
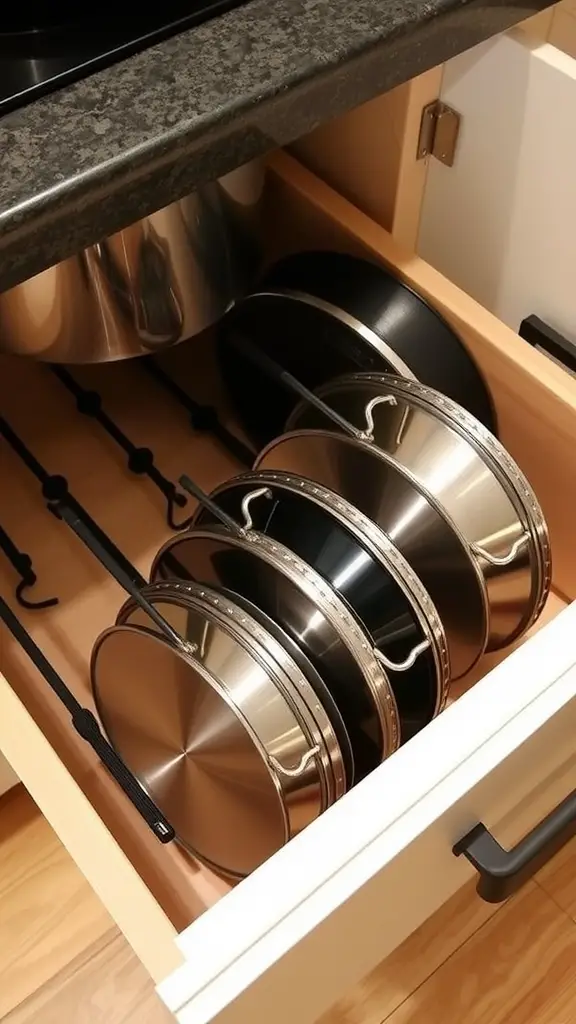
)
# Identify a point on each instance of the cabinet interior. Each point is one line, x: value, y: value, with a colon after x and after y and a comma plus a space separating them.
x: 536, y: 405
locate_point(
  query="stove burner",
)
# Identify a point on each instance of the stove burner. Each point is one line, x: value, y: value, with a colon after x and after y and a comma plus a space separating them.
x: 38, y: 57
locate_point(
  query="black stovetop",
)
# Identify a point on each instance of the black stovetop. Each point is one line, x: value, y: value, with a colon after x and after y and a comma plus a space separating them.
x: 38, y: 56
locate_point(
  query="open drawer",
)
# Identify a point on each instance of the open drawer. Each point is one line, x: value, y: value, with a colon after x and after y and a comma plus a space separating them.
x: 288, y: 941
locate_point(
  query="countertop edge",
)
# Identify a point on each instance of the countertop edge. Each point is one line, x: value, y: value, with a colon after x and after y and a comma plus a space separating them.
x: 117, y: 192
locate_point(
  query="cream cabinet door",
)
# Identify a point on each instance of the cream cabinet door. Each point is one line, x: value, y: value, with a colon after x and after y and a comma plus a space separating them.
x: 313, y: 920
x: 501, y: 222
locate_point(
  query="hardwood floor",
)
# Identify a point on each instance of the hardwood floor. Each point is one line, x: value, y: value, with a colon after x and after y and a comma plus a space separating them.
x: 105, y: 983
x: 481, y: 964
x: 63, y: 959
x: 517, y: 968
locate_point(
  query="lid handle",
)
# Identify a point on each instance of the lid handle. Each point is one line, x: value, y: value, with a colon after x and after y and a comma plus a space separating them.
x: 504, y: 559
x: 293, y: 773
x: 402, y: 666
x: 208, y: 503
x: 239, y: 530
x: 260, y: 492
x: 368, y: 433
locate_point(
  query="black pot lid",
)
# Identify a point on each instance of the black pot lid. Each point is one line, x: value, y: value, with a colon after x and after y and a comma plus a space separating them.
x: 324, y: 314
x: 380, y: 489
x: 300, y: 517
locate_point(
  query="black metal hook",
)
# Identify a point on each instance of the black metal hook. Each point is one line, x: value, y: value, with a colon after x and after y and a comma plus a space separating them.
x: 22, y: 563
x: 177, y: 499
x: 24, y: 602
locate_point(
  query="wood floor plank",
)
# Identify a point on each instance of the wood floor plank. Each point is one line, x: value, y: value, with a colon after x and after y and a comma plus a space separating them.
x: 390, y: 984
x: 558, y: 878
x: 106, y: 984
x: 518, y: 968
x: 48, y: 912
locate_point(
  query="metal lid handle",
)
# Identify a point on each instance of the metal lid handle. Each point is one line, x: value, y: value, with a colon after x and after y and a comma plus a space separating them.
x: 368, y: 432
x: 260, y: 492
x: 504, y: 559
x: 293, y: 773
x: 402, y: 666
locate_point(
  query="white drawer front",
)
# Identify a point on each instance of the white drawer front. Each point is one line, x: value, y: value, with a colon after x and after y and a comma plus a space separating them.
x: 296, y: 935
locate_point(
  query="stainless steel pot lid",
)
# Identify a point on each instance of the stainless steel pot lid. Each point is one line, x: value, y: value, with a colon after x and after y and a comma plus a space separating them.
x: 175, y: 599
x: 348, y: 551
x: 317, y: 619
x: 320, y: 699
x: 225, y: 756
x: 450, y: 458
x: 382, y: 490
x: 511, y: 478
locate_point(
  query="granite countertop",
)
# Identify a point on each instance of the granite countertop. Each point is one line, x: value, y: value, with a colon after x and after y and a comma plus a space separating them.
x: 99, y: 154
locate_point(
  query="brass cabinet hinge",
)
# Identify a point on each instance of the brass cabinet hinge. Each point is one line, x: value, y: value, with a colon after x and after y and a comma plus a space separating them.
x: 439, y: 130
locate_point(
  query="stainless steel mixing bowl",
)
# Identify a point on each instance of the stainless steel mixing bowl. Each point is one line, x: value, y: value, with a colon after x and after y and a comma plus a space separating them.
x: 157, y: 282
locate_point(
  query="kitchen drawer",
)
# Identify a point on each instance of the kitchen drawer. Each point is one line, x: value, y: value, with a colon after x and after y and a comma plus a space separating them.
x: 7, y: 777
x: 289, y: 940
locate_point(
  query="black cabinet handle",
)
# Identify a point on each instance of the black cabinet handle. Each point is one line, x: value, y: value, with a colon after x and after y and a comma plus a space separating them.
x: 541, y: 336
x: 503, y: 872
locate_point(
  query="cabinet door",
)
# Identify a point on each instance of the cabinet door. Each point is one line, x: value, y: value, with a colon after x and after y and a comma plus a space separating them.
x: 312, y: 921
x: 500, y: 222
x: 369, y: 155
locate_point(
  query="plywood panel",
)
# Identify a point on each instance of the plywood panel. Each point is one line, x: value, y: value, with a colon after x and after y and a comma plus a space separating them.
x: 7, y: 776
x: 539, y: 25
x: 369, y: 155
x: 563, y: 28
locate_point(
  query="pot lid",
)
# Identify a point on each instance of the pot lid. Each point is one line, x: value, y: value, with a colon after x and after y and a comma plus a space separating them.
x: 186, y: 605
x: 225, y: 756
x: 339, y: 540
x: 488, y: 448
x: 291, y: 591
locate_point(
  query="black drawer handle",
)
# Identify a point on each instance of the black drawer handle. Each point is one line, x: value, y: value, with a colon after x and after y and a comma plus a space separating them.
x: 503, y: 872
x: 543, y: 337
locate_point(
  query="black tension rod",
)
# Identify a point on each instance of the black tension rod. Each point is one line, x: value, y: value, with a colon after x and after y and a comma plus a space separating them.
x: 203, y: 418
x: 55, y: 489
x: 63, y: 505
x: 86, y: 725
x: 140, y: 460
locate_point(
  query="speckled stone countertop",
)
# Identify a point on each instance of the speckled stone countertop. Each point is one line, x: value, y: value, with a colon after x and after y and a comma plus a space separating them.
x: 97, y: 155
